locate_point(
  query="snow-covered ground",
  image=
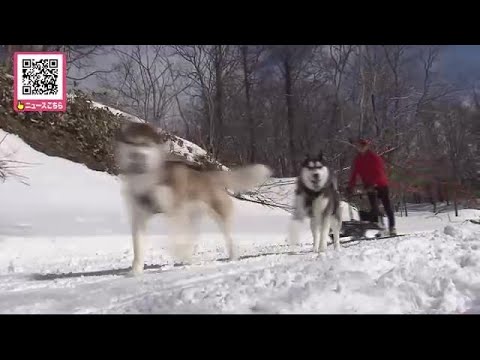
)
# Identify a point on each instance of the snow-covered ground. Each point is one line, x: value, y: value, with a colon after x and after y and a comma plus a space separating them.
x: 65, y: 248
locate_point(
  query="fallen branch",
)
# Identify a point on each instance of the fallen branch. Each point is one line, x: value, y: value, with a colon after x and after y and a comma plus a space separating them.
x: 264, y: 195
x: 262, y: 202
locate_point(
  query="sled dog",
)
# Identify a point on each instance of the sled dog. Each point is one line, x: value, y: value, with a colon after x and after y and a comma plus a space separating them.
x: 317, y: 198
x: 154, y: 182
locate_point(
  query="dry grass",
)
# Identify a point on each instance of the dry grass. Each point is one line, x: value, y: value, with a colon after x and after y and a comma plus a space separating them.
x: 9, y: 167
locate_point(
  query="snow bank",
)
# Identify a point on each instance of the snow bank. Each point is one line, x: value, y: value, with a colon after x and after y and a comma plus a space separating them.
x: 429, y: 273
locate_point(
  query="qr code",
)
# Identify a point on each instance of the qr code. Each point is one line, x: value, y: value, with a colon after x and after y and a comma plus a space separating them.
x: 40, y: 77
x: 40, y: 81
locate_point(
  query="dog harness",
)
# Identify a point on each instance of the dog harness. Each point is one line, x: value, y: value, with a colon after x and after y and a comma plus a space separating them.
x: 146, y: 201
x: 312, y: 195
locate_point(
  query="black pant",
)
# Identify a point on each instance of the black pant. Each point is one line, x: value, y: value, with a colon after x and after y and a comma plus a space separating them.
x: 382, y: 194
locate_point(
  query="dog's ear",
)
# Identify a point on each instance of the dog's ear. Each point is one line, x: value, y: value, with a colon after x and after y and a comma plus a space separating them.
x: 320, y: 156
x: 306, y: 158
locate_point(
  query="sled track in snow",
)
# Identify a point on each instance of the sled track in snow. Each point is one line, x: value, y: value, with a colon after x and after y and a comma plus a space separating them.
x: 125, y: 271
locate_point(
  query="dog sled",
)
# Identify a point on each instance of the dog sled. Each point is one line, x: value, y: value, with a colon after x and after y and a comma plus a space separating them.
x: 357, y: 229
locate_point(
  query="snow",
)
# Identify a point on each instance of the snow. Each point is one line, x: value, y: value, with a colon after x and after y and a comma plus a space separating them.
x: 65, y: 248
x: 114, y: 111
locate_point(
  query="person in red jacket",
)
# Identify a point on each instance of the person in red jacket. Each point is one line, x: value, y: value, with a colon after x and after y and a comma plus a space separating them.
x: 371, y: 169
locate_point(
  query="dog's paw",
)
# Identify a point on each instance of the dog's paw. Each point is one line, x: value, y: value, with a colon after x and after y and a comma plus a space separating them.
x: 137, y: 269
x: 322, y: 255
x: 234, y: 255
x: 322, y: 249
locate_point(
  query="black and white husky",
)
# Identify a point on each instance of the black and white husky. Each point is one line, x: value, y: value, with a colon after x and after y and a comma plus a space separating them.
x: 317, y: 197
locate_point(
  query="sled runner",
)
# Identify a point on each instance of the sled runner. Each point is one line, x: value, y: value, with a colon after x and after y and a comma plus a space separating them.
x: 357, y: 229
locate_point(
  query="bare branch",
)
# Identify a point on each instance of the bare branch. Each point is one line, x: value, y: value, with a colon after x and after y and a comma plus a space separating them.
x: 89, y: 75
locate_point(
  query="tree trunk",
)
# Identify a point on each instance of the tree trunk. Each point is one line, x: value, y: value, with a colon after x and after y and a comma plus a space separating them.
x: 334, y: 121
x: 218, y: 96
x: 9, y: 61
x: 211, y: 148
x: 362, y: 92
x: 290, y: 112
x: 251, y: 122
x: 455, y: 202
x: 375, y: 118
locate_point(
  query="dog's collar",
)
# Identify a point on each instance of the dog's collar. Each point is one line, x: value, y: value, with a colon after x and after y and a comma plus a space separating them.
x: 313, y: 193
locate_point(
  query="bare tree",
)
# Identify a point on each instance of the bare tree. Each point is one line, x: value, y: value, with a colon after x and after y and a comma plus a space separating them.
x: 230, y: 99
x: 394, y: 55
x: 143, y: 82
x: 292, y: 61
x: 81, y: 60
x: 339, y: 56
x: 250, y: 59
x: 209, y: 67
x: 198, y: 70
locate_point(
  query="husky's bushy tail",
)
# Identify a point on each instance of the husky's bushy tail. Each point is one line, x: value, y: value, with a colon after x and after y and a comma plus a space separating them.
x: 245, y: 178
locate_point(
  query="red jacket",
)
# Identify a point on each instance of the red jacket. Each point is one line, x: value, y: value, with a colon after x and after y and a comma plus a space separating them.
x: 371, y: 169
